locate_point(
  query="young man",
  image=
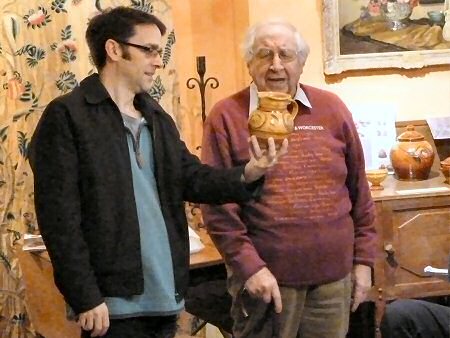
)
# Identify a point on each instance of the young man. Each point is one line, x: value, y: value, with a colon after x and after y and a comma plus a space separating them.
x: 111, y: 175
x: 310, y: 234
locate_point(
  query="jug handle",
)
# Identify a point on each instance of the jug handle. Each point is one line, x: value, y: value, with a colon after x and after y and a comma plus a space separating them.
x: 294, y: 111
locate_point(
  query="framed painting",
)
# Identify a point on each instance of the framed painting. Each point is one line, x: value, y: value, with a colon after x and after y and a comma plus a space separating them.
x: 365, y: 34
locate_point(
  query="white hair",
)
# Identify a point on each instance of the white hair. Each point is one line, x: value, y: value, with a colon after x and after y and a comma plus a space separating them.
x: 252, y: 32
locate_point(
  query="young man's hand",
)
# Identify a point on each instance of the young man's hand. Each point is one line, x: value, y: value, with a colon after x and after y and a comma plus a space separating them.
x: 95, y: 320
x: 261, y: 160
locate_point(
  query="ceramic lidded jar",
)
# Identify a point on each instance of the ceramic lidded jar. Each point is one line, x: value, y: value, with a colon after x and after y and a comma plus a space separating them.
x: 272, y: 117
x: 412, y: 157
x: 445, y: 168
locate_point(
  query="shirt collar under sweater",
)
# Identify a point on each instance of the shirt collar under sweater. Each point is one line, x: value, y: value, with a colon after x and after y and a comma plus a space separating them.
x: 300, y: 95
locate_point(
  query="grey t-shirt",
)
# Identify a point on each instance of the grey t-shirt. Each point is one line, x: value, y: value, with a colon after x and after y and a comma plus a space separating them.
x: 159, y: 285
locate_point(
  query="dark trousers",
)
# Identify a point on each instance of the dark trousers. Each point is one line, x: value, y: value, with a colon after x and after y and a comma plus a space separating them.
x: 410, y: 318
x: 140, y: 327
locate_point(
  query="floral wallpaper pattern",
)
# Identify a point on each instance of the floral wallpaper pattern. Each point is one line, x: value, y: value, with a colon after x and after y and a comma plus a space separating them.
x: 43, y: 54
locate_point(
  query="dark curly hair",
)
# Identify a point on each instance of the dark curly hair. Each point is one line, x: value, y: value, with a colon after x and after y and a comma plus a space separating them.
x: 117, y: 24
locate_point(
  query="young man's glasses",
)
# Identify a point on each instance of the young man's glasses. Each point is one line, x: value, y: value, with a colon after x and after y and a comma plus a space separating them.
x: 153, y: 50
x: 267, y: 55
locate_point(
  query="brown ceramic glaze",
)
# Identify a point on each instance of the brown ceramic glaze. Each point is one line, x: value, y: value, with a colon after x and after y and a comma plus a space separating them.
x: 445, y: 168
x: 412, y: 156
x: 272, y: 117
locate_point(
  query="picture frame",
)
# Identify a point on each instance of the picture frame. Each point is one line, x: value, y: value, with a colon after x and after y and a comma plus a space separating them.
x: 389, y: 56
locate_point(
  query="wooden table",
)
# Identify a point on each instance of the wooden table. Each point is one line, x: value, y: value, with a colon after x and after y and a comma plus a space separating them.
x: 46, y: 305
x: 209, y: 256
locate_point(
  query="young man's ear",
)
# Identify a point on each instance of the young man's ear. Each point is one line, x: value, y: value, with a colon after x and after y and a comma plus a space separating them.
x: 113, y: 50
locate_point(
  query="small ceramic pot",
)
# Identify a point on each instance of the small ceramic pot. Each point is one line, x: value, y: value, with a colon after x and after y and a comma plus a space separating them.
x: 375, y: 177
x: 445, y: 168
x: 412, y: 157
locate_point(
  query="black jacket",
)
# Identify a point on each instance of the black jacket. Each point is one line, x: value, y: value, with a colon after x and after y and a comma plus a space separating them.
x: 84, y: 193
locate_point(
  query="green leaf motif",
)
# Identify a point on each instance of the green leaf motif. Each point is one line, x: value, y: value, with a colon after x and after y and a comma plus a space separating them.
x: 25, y: 49
x: 16, y: 235
x: 168, y: 48
x: 34, y: 105
x: 53, y: 46
x: 14, y: 28
x: 27, y: 94
x: 5, y: 261
x: 4, y: 134
x: 157, y: 90
x: 33, y: 60
x: 66, y: 81
x: 68, y: 56
x: 35, y: 54
x: 19, y: 319
x: 58, y: 6
x: 142, y: 5
x: 66, y: 33
x: 23, y: 143
x: 25, y: 114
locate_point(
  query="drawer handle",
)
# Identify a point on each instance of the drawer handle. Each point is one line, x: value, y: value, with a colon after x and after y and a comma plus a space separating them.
x: 389, y: 248
x: 393, y: 262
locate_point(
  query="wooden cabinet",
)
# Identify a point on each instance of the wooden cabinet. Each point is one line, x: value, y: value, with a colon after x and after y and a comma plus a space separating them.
x: 414, y: 231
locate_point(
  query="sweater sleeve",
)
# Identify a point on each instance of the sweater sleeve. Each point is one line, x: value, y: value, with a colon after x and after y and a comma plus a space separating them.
x: 363, y: 208
x: 224, y: 224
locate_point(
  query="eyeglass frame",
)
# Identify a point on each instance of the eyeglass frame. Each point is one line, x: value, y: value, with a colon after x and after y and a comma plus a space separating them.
x: 273, y: 53
x: 150, y: 51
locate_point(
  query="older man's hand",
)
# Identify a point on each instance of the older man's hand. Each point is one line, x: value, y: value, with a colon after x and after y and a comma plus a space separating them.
x: 362, y: 282
x: 262, y: 159
x: 263, y: 285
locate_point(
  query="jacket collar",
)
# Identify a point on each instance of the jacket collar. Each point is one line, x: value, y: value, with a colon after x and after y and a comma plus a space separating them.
x: 93, y: 89
x: 95, y: 92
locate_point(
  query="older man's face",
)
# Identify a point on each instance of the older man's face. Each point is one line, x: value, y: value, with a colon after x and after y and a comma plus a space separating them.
x: 275, y: 65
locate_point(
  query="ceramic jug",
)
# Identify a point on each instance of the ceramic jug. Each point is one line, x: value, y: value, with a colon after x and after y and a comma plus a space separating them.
x: 412, y: 156
x: 272, y: 117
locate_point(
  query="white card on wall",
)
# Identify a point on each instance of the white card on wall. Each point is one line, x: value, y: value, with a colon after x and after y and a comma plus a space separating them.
x: 375, y: 123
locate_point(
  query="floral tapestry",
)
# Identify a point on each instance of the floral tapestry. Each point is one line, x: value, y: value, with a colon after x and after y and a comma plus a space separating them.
x: 43, y: 54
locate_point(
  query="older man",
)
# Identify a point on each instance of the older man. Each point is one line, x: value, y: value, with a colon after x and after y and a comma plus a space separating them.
x: 306, y: 247
x: 111, y: 174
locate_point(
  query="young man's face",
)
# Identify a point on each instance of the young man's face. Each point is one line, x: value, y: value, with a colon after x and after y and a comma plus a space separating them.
x: 138, y: 64
x: 275, y: 65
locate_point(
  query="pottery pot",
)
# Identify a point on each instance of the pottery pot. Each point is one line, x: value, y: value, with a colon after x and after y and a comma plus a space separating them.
x: 445, y: 168
x: 272, y: 118
x: 412, y: 157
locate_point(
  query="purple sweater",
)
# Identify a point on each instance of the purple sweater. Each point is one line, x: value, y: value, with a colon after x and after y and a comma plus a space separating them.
x: 314, y: 220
